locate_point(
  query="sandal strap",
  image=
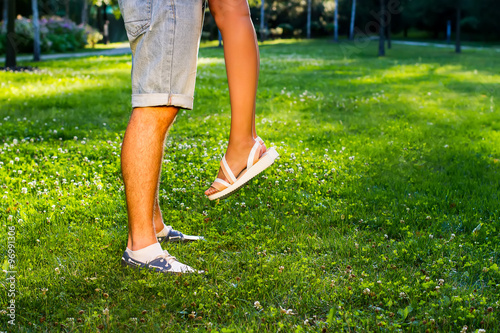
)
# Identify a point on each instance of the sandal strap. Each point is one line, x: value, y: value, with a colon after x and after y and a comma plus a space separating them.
x: 253, y: 157
x: 227, y: 171
x: 220, y: 184
x: 259, y: 139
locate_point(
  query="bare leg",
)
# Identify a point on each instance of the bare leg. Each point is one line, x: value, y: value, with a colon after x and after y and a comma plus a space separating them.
x: 241, y: 54
x: 141, y: 157
x: 157, y: 216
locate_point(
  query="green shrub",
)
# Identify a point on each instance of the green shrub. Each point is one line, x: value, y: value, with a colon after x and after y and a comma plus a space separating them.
x: 57, y: 34
x: 93, y: 36
x: 287, y: 31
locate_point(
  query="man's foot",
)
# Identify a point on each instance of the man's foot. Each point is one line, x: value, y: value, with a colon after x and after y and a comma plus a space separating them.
x: 164, y: 263
x: 174, y: 236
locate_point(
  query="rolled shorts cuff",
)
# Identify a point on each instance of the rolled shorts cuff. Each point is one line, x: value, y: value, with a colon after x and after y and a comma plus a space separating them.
x: 175, y: 100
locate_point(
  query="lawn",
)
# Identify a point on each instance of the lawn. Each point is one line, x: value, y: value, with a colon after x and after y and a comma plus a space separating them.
x: 382, y: 213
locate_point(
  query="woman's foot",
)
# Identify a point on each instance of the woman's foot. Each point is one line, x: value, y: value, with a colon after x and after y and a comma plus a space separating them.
x: 236, y: 157
x: 259, y: 139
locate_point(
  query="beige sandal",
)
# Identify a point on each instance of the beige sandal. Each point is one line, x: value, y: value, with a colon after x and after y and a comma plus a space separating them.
x: 255, y: 165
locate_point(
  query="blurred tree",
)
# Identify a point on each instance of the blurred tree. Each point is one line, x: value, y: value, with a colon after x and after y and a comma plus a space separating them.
x: 458, y: 8
x: 4, y: 14
x: 36, y: 31
x: 262, y: 21
x: 10, y: 57
x: 382, y: 22
x: 353, y: 18
x: 336, y: 22
x: 309, y: 19
x: 85, y: 12
x: 66, y: 9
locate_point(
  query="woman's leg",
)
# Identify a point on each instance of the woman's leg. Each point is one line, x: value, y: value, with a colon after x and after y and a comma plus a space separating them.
x: 241, y: 54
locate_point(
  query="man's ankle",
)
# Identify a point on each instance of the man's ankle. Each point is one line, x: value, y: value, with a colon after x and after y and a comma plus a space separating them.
x: 138, y: 244
x: 159, y: 226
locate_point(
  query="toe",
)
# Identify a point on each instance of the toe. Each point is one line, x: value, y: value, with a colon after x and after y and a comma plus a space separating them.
x: 263, y: 149
x: 210, y: 191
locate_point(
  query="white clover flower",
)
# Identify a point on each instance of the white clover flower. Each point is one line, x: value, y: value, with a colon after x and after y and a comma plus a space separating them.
x: 24, y: 190
x: 16, y: 159
x: 351, y: 158
x: 10, y: 218
x: 366, y: 291
x: 257, y: 305
x: 431, y: 236
x: 57, y: 270
x: 286, y: 311
x: 105, y: 312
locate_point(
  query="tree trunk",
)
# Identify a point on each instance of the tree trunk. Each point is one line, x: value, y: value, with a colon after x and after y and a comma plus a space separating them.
x: 389, y: 41
x: 105, y: 25
x: 336, y: 22
x: 381, y: 43
x: 10, y: 56
x: 458, y: 46
x: 353, y: 18
x: 66, y: 9
x: 54, y: 6
x: 85, y: 12
x: 4, y: 14
x: 262, y: 22
x: 36, y: 31
x: 100, y: 23
x: 309, y: 19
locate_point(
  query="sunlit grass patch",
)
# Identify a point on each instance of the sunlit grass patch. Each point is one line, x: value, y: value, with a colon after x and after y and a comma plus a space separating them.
x: 381, y: 213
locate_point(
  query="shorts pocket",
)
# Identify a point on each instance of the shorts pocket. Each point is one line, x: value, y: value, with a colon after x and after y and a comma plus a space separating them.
x: 136, y: 15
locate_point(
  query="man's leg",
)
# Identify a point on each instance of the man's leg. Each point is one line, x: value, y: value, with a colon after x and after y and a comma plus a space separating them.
x: 141, y: 157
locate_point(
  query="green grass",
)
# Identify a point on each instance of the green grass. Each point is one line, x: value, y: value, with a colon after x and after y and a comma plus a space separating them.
x: 382, y: 213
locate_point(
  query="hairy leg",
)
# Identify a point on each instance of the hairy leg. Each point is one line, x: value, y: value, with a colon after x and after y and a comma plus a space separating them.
x: 141, y: 157
x: 241, y: 55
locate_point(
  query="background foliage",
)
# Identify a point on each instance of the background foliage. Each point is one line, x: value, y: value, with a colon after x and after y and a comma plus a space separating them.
x: 287, y: 18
